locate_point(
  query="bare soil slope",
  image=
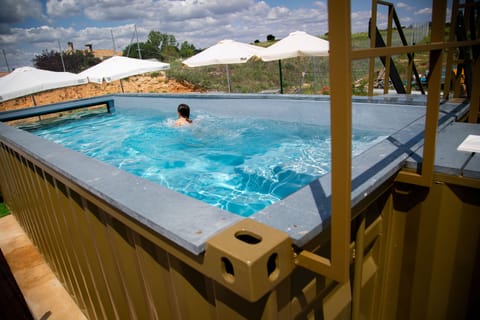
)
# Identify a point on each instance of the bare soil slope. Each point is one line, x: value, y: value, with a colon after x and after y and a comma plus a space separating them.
x: 134, y: 84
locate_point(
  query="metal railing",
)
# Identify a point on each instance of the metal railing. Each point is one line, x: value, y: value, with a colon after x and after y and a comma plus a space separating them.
x: 337, y: 266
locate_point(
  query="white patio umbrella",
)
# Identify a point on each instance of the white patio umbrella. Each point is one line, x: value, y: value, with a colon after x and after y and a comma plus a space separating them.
x: 297, y: 44
x: 224, y: 52
x: 118, y: 67
x: 28, y: 80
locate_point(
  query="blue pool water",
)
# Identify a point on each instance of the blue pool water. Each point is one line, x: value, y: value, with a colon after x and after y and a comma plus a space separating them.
x: 238, y: 164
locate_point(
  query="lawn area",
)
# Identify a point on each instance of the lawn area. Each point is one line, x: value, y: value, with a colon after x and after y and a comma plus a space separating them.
x: 3, y: 210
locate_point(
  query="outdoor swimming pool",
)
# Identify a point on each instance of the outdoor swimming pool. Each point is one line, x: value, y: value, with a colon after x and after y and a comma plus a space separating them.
x: 92, y: 185
x: 239, y: 164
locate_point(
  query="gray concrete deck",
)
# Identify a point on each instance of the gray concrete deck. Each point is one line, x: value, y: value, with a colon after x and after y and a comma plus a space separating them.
x: 448, y: 159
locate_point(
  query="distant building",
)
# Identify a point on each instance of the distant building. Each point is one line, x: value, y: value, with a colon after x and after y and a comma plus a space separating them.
x: 70, y: 47
x: 102, y: 53
x: 105, y: 53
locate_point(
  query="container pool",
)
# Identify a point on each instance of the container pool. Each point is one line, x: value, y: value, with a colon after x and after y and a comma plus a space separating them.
x: 391, y: 129
x: 241, y: 165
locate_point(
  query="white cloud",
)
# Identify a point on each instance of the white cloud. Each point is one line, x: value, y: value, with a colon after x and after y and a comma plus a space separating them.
x: 322, y: 5
x: 360, y: 20
x: 22, y: 44
x: 17, y: 10
x: 404, y: 6
x: 241, y: 20
x: 220, y: 7
x: 424, y: 11
x: 200, y: 22
x: 17, y: 57
x: 63, y: 8
x: 278, y: 13
x: 108, y: 10
x: 36, y: 35
x: 122, y: 10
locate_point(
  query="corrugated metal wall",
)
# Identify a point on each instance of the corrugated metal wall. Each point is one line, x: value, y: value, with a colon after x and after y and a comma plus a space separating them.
x: 420, y: 249
x: 117, y: 269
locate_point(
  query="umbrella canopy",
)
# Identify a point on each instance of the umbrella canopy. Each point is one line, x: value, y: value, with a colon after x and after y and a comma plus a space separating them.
x: 118, y: 67
x: 28, y: 80
x: 224, y: 52
x: 297, y: 44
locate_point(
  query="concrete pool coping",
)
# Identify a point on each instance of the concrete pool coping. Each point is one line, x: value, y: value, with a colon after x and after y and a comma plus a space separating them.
x: 303, y: 215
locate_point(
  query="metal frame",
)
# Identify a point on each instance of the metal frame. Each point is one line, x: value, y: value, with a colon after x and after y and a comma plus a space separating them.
x: 433, y: 101
x: 337, y: 267
x: 386, y: 81
x: 435, y: 48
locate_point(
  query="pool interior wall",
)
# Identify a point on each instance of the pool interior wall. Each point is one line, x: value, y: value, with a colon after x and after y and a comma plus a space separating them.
x: 303, y: 215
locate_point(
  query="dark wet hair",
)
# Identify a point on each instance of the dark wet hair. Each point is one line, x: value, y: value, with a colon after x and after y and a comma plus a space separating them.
x: 184, y: 110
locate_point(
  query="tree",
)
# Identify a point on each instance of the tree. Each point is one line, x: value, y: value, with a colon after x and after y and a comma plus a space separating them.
x: 75, y: 62
x: 169, y: 47
x: 187, y: 50
x: 270, y: 37
x: 161, y: 46
x: 170, y: 52
x: 155, y: 39
x: 146, y: 50
x: 79, y: 60
x: 48, y: 60
x: 132, y: 50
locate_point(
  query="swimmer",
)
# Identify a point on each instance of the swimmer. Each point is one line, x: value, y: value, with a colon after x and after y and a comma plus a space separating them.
x: 183, y: 111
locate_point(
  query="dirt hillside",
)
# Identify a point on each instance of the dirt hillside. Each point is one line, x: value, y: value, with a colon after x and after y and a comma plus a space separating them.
x: 135, y: 84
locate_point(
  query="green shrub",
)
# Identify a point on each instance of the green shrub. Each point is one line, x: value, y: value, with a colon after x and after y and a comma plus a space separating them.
x: 4, y: 210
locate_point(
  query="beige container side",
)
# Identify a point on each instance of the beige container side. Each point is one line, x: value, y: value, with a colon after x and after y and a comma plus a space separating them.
x: 71, y: 266
x: 49, y: 214
x: 122, y: 245
x: 193, y: 291
x: 116, y: 298
x: 156, y: 273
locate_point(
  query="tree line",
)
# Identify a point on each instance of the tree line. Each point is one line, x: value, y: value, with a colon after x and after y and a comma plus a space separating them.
x: 74, y: 61
x: 160, y: 46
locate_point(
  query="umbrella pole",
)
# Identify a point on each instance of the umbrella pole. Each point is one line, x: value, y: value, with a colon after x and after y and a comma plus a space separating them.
x: 280, y: 73
x: 228, y: 79
x: 35, y: 104
x: 121, y: 85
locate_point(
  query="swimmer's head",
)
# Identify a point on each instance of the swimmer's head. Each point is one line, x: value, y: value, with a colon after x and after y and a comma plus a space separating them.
x: 183, y: 110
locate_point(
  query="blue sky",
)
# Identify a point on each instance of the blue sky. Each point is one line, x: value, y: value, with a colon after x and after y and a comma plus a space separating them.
x: 27, y: 27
